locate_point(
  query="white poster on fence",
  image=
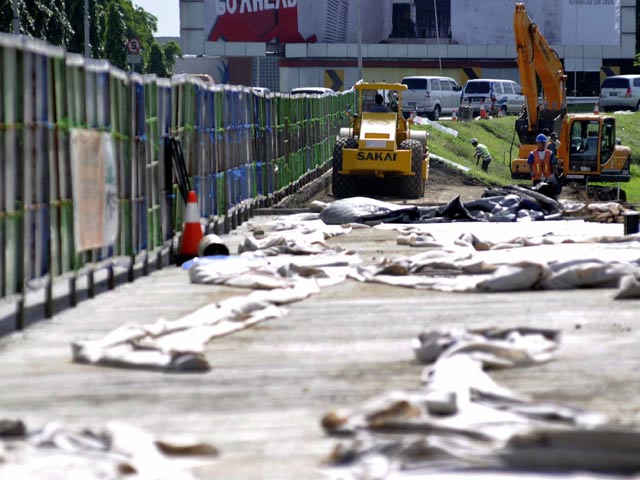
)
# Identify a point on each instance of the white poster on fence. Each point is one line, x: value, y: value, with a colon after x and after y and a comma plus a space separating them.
x: 95, y: 189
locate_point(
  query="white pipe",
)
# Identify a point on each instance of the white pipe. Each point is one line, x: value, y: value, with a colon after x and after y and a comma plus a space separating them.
x: 449, y: 162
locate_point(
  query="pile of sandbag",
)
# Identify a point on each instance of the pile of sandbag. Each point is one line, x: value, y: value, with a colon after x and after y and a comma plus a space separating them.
x: 463, y: 422
x: 601, y: 212
x: 283, y: 261
x: 547, y: 262
x: 114, y: 451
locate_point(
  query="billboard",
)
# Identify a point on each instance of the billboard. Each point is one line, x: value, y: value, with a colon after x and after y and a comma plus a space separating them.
x: 562, y: 22
x: 296, y: 21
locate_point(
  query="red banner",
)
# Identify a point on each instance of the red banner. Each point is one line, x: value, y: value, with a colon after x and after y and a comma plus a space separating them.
x: 257, y: 21
x: 295, y: 21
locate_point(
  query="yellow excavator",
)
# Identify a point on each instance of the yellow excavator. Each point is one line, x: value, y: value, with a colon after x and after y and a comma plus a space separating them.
x: 589, y: 151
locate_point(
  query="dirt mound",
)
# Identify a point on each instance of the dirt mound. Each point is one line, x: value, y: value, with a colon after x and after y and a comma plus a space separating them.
x: 444, y: 184
x: 595, y: 193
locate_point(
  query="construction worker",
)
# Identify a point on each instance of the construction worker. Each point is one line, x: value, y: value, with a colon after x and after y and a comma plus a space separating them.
x: 553, y: 143
x: 482, y: 152
x: 379, y: 107
x: 542, y: 162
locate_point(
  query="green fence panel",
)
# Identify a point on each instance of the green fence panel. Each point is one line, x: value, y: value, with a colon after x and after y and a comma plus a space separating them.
x: 12, y: 156
x: 238, y: 146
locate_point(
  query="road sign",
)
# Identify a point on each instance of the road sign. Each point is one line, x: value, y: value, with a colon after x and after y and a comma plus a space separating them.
x: 134, y: 59
x: 133, y: 46
x: 334, y: 79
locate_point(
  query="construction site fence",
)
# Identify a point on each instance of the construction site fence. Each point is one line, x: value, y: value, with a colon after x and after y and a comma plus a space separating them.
x: 242, y: 149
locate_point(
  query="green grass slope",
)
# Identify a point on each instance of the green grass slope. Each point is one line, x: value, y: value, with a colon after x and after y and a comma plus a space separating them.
x: 498, y: 135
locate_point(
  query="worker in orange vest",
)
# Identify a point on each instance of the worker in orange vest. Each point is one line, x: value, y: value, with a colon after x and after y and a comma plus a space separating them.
x: 542, y: 162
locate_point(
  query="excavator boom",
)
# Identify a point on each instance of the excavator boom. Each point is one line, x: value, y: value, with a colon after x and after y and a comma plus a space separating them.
x: 536, y: 58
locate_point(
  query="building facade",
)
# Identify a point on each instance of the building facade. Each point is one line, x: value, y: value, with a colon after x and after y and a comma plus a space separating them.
x: 315, y: 41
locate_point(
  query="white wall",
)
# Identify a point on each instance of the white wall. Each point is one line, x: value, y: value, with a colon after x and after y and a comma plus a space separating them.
x: 192, y: 37
x: 292, y: 77
x: 504, y: 73
x: 213, y: 66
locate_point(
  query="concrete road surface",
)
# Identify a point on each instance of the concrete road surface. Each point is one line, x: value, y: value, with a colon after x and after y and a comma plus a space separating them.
x: 262, y: 400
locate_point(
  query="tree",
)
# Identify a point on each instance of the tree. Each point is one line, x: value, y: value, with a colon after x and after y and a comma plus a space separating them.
x: 97, y: 15
x: 6, y: 16
x: 114, y: 36
x: 171, y: 50
x: 156, y: 61
x: 58, y: 29
x: 38, y: 18
x: 61, y: 22
x: 139, y: 24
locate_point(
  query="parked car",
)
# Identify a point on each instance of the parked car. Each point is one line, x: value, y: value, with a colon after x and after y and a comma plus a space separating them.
x: 206, y: 78
x: 261, y: 90
x: 621, y: 92
x: 430, y: 96
x: 499, y: 95
x: 311, y: 91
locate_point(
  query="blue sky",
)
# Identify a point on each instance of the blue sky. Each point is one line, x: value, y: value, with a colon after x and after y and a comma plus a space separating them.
x: 168, y: 13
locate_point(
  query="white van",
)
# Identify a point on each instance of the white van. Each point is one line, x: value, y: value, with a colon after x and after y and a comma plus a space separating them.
x: 499, y: 95
x: 620, y: 92
x: 430, y: 96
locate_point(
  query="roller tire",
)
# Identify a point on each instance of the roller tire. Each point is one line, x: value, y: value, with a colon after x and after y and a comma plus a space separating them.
x: 343, y: 186
x: 413, y: 186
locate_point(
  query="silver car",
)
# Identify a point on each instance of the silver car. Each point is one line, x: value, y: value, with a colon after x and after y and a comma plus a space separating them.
x: 500, y: 95
x: 620, y: 92
x: 430, y: 96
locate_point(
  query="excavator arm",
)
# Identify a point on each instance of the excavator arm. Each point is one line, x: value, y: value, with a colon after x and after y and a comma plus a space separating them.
x: 536, y: 58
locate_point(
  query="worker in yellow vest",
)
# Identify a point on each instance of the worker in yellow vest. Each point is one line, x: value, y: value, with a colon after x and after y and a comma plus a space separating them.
x: 482, y: 153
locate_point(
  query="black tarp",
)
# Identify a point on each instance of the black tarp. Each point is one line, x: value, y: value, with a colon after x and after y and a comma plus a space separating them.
x: 504, y: 204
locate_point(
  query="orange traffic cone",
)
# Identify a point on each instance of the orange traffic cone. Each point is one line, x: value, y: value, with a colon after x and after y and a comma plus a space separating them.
x: 483, y: 112
x: 191, y: 231
x: 596, y: 109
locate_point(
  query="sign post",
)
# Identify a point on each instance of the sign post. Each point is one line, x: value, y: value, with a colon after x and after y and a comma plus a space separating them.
x: 133, y: 48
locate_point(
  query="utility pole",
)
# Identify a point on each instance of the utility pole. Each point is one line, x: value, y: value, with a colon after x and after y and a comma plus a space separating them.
x: 575, y: 61
x: 87, y: 31
x: 16, y: 18
x: 359, y: 29
x: 258, y: 71
x: 435, y: 13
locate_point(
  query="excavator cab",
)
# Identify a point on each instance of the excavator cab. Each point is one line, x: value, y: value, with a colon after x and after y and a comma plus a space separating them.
x: 588, y: 152
x: 592, y: 153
